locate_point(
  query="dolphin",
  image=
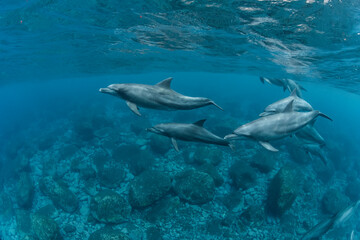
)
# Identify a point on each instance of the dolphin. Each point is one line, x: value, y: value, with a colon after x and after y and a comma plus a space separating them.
x: 319, y: 230
x: 315, y: 150
x: 275, y: 126
x: 288, y: 84
x: 338, y: 219
x: 309, y: 134
x: 299, y: 105
x: 159, y: 96
x: 194, y: 132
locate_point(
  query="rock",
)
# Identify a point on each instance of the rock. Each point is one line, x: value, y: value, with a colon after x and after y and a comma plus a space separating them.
x: 163, y: 209
x: 353, y: 190
x: 234, y: 201
x: 109, y: 207
x: 253, y: 215
x: 333, y: 201
x: 159, y: 144
x: 68, y: 228
x: 112, y: 176
x: 148, y: 187
x: 212, y: 171
x: 204, y: 154
x: 264, y: 160
x: 194, y: 186
x: 59, y: 194
x: 242, y: 175
x: 6, y: 206
x: 108, y: 233
x: 87, y: 173
x: 44, y: 228
x: 90, y: 187
x: 24, y: 191
x: 48, y: 211
x: 283, y: 190
x: 214, y: 227
x: 23, y: 222
x: 153, y: 233
x: 68, y: 151
x: 137, y: 159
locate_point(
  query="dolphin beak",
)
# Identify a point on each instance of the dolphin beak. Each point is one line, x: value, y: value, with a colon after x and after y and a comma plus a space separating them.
x: 231, y: 137
x: 107, y: 90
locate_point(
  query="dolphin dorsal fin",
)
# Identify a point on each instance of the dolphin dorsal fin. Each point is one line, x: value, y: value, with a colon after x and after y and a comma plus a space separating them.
x: 200, y: 123
x: 293, y: 93
x: 289, y: 107
x: 166, y: 83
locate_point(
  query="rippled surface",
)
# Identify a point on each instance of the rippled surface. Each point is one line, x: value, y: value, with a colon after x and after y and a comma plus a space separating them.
x: 305, y: 40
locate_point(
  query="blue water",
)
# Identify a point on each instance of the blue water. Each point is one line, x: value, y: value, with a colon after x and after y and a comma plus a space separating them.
x: 64, y: 145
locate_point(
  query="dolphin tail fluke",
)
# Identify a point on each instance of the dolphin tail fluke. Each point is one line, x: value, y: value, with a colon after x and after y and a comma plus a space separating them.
x: 213, y: 103
x: 325, y: 116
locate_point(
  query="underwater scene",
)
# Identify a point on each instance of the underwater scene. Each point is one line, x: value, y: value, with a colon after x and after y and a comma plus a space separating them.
x: 179, y: 119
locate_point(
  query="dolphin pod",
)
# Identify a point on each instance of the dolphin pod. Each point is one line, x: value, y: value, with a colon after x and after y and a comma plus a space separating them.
x: 286, y: 117
x: 159, y: 96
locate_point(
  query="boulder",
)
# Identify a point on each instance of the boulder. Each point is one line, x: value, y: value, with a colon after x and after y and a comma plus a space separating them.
x: 109, y: 207
x: 264, y: 160
x: 333, y: 201
x: 283, y: 190
x: 45, y: 228
x: 159, y: 144
x: 108, y: 233
x: 148, y: 187
x: 111, y: 176
x: 212, y: 171
x: 194, y: 186
x: 242, y: 175
x: 24, y: 191
x: 59, y: 194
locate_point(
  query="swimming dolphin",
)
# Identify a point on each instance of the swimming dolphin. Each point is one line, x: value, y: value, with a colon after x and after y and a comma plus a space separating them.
x: 194, y: 132
x: 309, y: 134
x: 319, y: 230
x: 159, y: 96
x: 338, y: 219
x: 285, y: 84
x: 275, y: 126
x: 299, y: 105
x: 315, y: 150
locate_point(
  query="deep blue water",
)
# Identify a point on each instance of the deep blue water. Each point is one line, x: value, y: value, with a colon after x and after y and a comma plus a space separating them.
x: 64, y: 145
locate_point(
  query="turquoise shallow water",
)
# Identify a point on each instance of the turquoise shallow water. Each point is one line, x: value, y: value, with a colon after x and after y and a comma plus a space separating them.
x: 78, y: 164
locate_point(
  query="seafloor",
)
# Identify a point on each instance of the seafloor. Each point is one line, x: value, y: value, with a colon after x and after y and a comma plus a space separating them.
x: 97, y: 174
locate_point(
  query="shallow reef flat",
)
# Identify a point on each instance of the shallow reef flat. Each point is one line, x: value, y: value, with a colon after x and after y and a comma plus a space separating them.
x: 99, y: 175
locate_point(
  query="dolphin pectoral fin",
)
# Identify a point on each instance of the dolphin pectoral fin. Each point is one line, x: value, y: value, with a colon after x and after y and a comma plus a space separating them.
x: 133, y: 108
x: 268, y: 146
x: 174, y: 143
x: 213, y: 103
